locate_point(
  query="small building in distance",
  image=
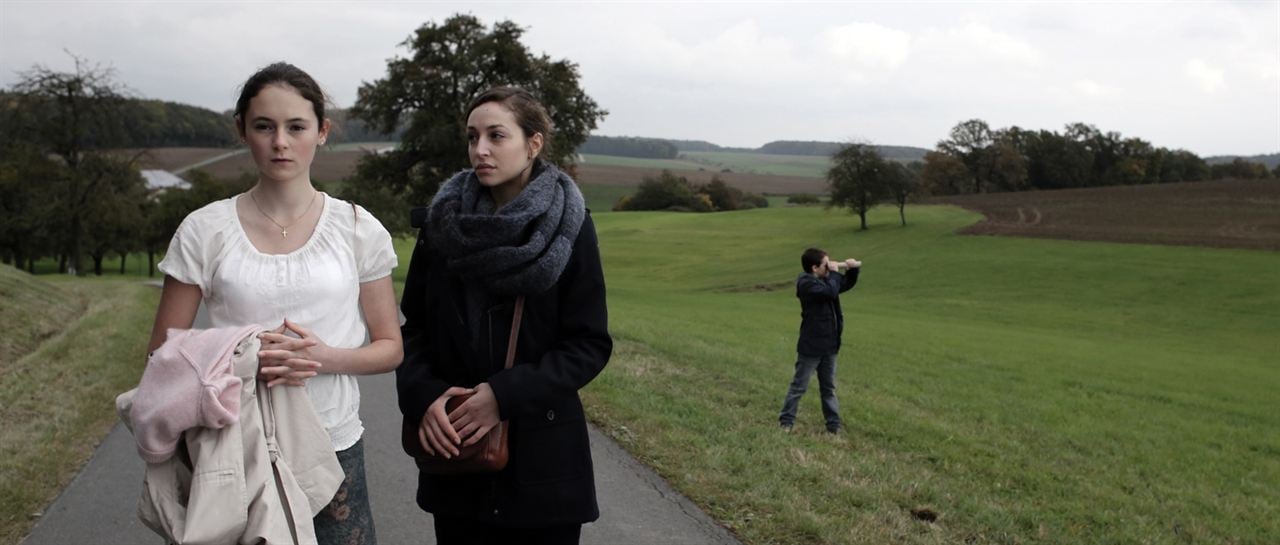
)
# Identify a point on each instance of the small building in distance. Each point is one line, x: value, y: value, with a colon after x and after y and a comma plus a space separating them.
x: 160, y: 180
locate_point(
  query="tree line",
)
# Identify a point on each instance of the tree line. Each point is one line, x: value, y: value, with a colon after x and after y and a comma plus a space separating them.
x: 69, y: 192
x: 977, y: 159
x: 629, y: 146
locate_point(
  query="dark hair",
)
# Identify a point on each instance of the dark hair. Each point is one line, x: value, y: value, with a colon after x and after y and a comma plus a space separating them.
x: 280, y: 73
x: 530, y: 114
x: 811, y: 258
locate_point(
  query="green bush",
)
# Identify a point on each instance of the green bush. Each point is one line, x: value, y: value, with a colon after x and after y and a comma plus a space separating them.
x: 675, y: 193
x: 803, y: 199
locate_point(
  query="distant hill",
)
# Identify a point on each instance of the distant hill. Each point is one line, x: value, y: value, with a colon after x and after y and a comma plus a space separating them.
x: 777, y: 147
x: 1271, y: 159
x: 629, y: 146
x: 826, y: 149
x: 695, y: 145
x: 703, y: 145
x: 350, y: 129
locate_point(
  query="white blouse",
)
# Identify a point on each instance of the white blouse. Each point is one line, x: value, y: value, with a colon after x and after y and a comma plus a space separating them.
x: 316, y: 286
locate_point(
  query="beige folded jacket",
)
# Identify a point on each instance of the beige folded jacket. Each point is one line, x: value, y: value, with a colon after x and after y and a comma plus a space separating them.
x: 257, y: 481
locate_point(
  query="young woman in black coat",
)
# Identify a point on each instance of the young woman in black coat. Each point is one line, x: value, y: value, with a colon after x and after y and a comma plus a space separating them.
x: 511, y: 225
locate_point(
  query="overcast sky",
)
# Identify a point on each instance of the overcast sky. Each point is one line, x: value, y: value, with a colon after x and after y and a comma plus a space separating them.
x: 1202, y: 76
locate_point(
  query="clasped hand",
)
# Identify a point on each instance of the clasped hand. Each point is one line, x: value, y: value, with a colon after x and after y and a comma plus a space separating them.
x: 284, y: 359
x: 444, y: 434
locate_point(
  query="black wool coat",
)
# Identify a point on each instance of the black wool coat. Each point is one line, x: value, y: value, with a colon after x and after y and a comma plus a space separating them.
x: 563, y: 344
x: 821, y: 320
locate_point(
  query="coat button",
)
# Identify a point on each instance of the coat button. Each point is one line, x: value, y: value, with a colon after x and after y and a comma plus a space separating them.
x: 551, y: 415
x: 422, y: 242
x: 495, y: 512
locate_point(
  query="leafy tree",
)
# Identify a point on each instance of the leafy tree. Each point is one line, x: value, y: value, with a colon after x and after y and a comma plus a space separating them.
x: 427, y: 94
x: 70, y: 115
x: 857, y: 179
x: 666, y: 192
x: 722, y: 195
x: 1007, y: 168
x: 26, y: 179
x: 116, y: 209
x: 943, y: 174
x: 901, y: 182
x: 1239, y: 168
x: 1055, y: 161
x: 969, y: 142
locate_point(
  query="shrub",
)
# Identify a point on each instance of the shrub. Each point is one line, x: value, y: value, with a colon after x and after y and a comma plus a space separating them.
x: 675, y: 193
x: 803, y: 199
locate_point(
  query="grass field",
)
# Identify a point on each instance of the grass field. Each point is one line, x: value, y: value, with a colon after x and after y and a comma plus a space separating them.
x: 1023, y: 390
x: 52, y: 400
x: 636, y: 162
x: 715, y: 161
x: 762, y: 163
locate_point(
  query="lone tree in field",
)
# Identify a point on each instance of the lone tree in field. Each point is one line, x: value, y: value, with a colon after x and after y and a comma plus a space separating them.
x: 857, y: 178
x: 900, y: 184
x: 428, y: 92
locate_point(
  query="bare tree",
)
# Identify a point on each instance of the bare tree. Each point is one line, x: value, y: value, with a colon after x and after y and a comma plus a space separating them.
x: 70, y: 115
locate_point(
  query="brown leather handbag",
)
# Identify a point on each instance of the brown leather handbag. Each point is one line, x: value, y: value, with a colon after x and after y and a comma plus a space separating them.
x: 487, y: 455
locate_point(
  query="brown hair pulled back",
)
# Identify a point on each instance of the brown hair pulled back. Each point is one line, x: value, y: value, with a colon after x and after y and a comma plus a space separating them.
x: 280, y: 73
x: 530, y: 114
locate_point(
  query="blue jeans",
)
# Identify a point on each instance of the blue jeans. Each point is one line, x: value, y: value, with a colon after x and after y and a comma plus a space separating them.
x: 805, y: 364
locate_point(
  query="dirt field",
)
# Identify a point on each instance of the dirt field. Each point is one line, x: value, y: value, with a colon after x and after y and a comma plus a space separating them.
x: 333, y: 166
x: 329, y: 166
x: 755, y: 183
x: 175, y: 158
x: 1223, y: 214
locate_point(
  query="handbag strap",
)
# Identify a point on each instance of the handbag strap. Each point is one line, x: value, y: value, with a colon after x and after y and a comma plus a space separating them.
x: 515, y: 331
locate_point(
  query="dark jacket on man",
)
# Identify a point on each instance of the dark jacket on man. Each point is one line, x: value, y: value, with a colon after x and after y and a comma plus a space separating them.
x: 821, y: 321
x: 563, y: 343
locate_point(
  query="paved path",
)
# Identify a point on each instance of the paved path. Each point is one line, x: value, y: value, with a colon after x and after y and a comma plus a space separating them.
x: 210, y: 160
x: 636, y: 506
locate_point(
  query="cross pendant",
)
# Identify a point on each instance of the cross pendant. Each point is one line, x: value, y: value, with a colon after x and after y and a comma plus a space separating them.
x: 284, y: 233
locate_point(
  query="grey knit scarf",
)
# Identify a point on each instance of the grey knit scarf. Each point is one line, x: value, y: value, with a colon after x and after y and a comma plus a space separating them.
x: 521, y: 248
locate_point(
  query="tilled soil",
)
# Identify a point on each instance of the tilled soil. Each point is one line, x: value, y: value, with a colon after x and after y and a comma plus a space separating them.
x: 1221, y: 214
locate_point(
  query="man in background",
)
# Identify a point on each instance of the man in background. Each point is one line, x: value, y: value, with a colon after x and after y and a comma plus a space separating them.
x: 821, y: 323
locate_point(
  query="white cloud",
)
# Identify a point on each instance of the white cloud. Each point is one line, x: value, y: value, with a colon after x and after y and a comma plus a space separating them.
x: 977, y: 43
x: 1091, y: 89
x: 1210, y: 79
x: 866, y: 45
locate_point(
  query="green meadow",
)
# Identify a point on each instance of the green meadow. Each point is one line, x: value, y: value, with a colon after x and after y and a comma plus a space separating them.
x: 761, y: 163
x: 639, y: 162
x: 1012, y: 390
x: 749, y: 163
x: 1017, y: 390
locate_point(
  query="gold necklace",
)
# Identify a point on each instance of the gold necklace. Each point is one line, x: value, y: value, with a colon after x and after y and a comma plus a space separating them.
x: 284, y: 229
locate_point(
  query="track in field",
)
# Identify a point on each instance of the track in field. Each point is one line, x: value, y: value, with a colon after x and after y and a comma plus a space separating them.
x: 1222, y: 214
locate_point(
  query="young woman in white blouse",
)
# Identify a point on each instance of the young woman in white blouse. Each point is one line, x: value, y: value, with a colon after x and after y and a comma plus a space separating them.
x: 286, y: 256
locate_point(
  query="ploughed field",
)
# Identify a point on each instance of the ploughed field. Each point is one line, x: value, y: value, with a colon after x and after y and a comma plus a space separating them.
x: 1223, y: 214
x: 172, y: 159
x: 333, y: 165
